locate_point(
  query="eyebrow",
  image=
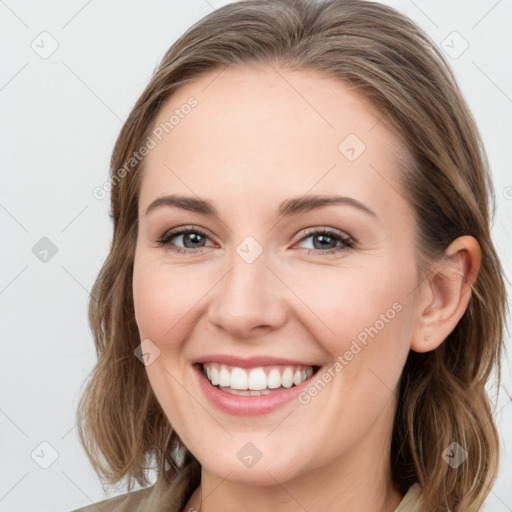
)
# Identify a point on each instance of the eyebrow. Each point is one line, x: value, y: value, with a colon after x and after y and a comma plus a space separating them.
x: 289, y: 207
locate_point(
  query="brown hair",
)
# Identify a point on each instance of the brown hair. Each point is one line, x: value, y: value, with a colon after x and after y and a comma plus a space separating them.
x: 393, y: 63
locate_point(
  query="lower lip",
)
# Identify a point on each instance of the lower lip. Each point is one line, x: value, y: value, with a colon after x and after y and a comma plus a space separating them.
x: 240, y: 405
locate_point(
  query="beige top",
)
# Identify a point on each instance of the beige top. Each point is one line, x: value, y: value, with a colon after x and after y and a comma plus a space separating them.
x: 158, y: 499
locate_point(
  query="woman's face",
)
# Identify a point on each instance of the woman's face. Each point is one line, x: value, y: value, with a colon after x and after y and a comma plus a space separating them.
x: 267, y: 284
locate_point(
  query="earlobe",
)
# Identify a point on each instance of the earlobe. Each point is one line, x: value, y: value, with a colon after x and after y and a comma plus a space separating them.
x: 446, y: 293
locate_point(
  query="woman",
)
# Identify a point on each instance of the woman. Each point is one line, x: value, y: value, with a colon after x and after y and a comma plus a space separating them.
x: 302, y: 303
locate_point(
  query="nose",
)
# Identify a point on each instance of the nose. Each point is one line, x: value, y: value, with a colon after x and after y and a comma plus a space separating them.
x: 249, y: 301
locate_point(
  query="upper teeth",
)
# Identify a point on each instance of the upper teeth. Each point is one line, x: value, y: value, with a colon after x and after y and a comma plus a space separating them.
x: 256, y: 378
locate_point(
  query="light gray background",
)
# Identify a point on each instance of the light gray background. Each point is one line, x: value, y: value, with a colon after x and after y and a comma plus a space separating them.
x: 60, y: 116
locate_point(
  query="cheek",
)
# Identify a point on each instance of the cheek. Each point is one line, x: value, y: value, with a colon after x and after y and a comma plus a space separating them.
x: 363, y: 318
x: 162, y: 299
x: 354, y: 304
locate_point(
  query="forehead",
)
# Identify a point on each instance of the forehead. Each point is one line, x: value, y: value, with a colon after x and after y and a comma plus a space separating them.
x: 262, y: 131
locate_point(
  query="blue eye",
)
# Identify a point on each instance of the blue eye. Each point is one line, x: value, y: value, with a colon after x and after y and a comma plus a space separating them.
x: 325, y: 240
x: 190, y: 235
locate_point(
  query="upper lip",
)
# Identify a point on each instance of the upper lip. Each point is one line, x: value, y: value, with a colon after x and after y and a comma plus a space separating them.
x: 251, y: 362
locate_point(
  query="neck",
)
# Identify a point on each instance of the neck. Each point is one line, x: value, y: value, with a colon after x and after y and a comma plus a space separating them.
x: 291, y: 496
x: 357, y: 481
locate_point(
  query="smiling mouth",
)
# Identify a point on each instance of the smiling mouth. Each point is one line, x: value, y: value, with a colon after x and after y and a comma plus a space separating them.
x: 261, y: 380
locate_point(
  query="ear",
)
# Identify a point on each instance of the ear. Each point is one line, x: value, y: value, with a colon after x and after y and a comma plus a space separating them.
x: 444, y: 295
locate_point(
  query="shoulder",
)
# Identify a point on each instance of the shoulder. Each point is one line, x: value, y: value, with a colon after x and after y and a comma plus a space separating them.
x: 411, y: 500
x: 128, y: 502
x: 165, y: 495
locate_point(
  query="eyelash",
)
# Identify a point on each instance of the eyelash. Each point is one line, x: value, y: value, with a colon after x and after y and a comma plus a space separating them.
x: 346, y: 241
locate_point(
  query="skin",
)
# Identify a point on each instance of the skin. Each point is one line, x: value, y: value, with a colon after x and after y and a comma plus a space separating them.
x: 256, y: 138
